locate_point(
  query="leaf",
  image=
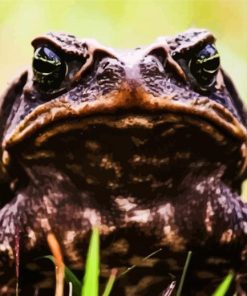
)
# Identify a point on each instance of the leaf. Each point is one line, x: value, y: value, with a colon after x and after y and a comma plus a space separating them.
x: 110, y: 282
x: 90, y: 281
x: 224, y: 286
x: 69, y: 277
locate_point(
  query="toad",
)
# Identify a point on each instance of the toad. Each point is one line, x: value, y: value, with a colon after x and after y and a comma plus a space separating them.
x: 148, y: 145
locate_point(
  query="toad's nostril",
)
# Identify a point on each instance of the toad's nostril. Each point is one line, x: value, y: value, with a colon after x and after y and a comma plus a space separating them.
x: 109, y: 69
x: 160, y: 54
x: 151, y: 66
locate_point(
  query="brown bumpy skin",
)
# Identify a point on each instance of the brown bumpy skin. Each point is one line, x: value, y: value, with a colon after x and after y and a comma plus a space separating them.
x: 130, y: 142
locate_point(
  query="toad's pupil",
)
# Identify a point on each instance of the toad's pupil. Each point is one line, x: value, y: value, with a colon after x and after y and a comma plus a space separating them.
x: 45, y: 60
x: 211, y: 64
x: 204, y: 64
x: 48, y: 68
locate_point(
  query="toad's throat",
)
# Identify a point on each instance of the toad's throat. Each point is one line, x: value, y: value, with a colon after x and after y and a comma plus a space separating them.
x: 125, y: 151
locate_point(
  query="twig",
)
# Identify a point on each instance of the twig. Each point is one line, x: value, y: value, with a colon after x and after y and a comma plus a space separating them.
x: 186, y: 265
x: 58, y: 258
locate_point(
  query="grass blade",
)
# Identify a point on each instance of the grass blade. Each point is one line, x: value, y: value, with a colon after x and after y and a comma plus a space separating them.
x: 70, y: 289
x: 144, y: 259
x: 186, y: 265
x: 169, y: 290
x: 70, y: 277
x: 110, y: 282
x: 58, y: 258
x: 224, y: 286
x: 90, y: 281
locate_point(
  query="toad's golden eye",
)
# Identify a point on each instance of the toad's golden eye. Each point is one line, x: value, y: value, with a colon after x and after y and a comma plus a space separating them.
x: 204, y: 65
x: 48, y: 68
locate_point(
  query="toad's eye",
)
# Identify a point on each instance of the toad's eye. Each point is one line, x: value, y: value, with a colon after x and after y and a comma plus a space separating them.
x: 48, y: 68
x: 204, y: 65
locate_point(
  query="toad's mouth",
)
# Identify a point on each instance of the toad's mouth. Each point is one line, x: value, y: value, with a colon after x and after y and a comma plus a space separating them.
x: 112, y: 150
x: 62, y: 109
x: 184, y: 124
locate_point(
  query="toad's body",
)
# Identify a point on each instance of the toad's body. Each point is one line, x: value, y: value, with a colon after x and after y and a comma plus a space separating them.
x: 149, y: 145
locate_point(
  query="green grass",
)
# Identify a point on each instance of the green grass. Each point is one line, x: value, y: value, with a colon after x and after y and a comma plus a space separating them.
x: 224, y: 286
x: 110, y: 283
x: 89, y: 286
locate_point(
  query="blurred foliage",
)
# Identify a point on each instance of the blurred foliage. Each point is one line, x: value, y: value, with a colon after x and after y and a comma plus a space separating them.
x: 122, y: 23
